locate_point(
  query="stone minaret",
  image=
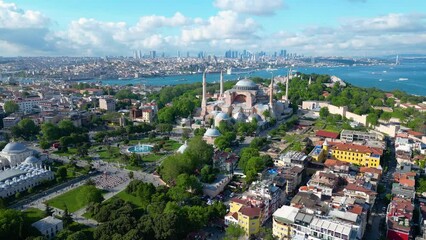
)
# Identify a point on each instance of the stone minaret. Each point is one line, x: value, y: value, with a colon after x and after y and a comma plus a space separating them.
x: 310, y: 81
x: 204, y: 100
x: 271, y: 92
x: 221, y: 84
x: 286, y: 84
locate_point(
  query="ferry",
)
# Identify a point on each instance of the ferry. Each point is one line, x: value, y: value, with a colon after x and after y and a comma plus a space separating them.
x: 403, y: 79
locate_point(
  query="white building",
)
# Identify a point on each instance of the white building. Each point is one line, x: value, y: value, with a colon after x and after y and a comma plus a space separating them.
x: 49, y: 226
x: 28, y: 104
x: 291, y: 223
x: 107, y: 104
x: 13, y: 154
x: 19, y: 178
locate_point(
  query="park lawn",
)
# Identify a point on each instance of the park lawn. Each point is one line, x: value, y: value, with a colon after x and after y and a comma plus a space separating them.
x: 33, y: 215
x: 69, y: 153
x: 129, y: 198
x: 151, y: 157
x: 133, y: 168
x: 106, y: 156
x: 333, y: 128
x: 69, y: 199
x: 171, y: 145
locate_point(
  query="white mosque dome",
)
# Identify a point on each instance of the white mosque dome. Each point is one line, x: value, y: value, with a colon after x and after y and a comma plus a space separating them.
x: 222, y: 116
x: 214, y: 113
x: 32, y: 160
x: 14, y: 147
x: 212, y: 132
x: 246, y: 84
x: 182, y: 148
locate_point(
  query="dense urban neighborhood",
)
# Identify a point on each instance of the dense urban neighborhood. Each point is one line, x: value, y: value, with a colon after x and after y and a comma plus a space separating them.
x: 301, y: 156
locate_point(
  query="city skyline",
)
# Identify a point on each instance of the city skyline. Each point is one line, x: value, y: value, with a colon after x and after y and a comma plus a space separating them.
x: 320, y: 28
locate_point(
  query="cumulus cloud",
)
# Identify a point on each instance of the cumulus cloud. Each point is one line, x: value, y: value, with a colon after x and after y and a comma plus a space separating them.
x: 369, y: 36
x: 26, y: 32
x: 255, y: 7
x: 225, y: 25
x: 388, y: 23
x: 13, y: 17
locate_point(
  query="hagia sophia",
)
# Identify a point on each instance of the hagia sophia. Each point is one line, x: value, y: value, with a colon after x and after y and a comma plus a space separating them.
x: 244, y: 102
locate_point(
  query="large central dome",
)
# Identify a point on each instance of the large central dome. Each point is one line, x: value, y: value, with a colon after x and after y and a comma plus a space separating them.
x: 246, y: 84
x: 14, y: 147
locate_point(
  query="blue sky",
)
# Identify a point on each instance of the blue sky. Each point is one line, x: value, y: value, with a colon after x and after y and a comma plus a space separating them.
x: 310, y: 27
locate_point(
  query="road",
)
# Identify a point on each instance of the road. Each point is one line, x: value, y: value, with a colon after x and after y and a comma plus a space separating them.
x: 378, y: 215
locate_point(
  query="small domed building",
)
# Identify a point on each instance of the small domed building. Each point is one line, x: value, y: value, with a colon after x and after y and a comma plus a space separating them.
x: 182, y: 148
x: 13, y: 154
x: 210, y: 135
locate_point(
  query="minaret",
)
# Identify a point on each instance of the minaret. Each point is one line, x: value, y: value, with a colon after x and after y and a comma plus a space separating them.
x: 286, y: 85
x: 221, y: 84
x: 310, y: 80
x: 271, y: 92
x: 204, y: 100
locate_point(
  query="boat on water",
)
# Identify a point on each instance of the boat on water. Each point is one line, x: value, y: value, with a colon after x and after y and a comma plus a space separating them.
x: 229, y: 71
x: 403, y: 79
x: 269, y: 69
x: 380, y: 80
x: 125, y: 78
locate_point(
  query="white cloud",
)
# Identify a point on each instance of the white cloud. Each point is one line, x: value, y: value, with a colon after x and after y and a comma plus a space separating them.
x: 225, y: 25
x: 388, y: 23
x: 26, y: 32
x: 256, y: 7
x: 12, y: 17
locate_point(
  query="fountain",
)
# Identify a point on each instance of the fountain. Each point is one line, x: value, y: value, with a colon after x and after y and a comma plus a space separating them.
x: 140, y: 148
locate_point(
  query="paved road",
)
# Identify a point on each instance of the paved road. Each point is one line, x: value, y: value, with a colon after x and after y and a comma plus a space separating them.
x: 378, y: 215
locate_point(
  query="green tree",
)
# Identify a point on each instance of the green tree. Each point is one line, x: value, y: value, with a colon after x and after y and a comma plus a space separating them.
x: 90, y: 194
x: 10, y: 107
x: 26, y: 129
x: 77, y: 236
x: 245, y: 155
x: 11, y: 224
x: 234, y: 232
x: 378, y: 102
x: 61, y: 173
x: 164, y: 128
x: 48, y: 210
x: 324, y: 113
x: 66, y: 217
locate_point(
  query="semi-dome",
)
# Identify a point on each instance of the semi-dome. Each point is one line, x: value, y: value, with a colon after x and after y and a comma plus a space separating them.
x: 212, y: 132
x: 246, y: 84
x: 222, y: 116
x: 32, y: 160
x: 14, y: 147
x: 182, y: 148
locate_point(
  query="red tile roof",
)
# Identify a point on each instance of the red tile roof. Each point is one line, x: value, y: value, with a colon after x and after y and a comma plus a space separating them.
x: 327, y: 134
x: 357, y: 148
x: 355, y: 187
x: 356, y: 209
x: 238, y: 200
x: 416, y: 134
x: 251, y: 211
x: 370, y: 170
x: 334, y: 162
